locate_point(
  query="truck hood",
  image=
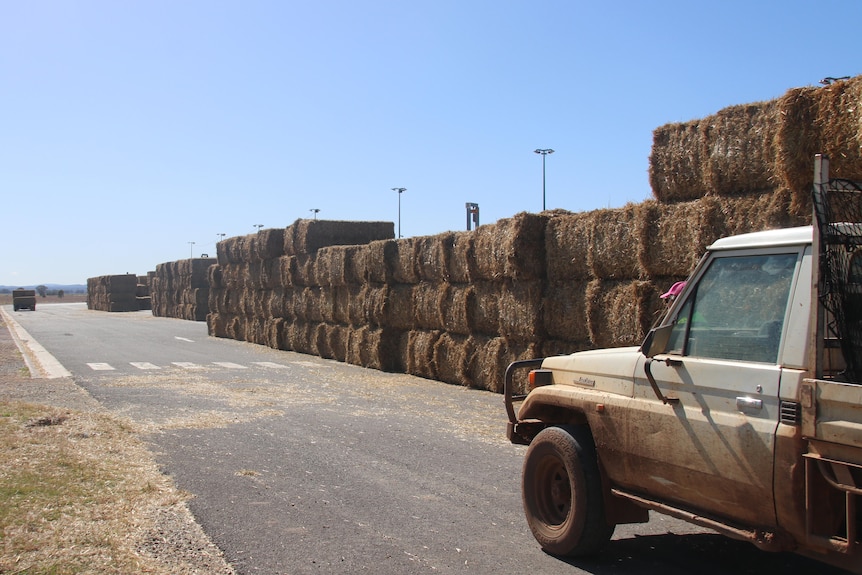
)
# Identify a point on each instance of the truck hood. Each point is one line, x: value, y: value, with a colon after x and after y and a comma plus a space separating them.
x: 606, y: 369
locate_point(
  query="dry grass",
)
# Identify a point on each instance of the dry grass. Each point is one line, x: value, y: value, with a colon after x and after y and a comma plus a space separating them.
x: 80, y: 494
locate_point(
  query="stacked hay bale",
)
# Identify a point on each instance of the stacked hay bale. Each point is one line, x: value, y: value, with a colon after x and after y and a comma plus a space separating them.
x: 459, y: 307
x: 764, y: 148
x: 290, y: 289
x: 112, y: 293
x: 180, y: 289
x: 142, y: 293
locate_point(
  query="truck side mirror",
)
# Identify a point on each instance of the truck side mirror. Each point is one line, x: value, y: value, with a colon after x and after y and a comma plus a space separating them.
x: 656, y: 340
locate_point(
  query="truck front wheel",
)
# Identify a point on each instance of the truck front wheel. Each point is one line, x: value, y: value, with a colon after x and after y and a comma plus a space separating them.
x: 562, y: 492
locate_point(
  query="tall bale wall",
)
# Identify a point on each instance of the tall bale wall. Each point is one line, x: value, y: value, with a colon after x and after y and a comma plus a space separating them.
x: 460, y: 306
x: 180, y: 289
x: 115, y: 293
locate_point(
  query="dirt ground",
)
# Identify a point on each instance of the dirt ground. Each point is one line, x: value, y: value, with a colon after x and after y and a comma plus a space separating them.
x: 161, y: 533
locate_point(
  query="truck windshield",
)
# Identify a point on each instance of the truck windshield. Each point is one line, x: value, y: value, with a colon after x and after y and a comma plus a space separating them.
x: 737, y: 309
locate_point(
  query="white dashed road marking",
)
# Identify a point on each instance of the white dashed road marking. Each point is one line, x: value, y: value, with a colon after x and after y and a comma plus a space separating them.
x: 269, y: 364
x: 187, y: 365
x: 184, y: 339
x: 100, y: 367
x: 144, y: 365
x: 229, y: 365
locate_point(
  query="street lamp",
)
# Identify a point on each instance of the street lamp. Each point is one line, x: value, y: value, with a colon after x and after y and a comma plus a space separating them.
x: 400, y: 191
x: 191, y: 250
x: 544, y: 152
x: 258, y: 226
x: 315, y: 211
x: 221, y: 236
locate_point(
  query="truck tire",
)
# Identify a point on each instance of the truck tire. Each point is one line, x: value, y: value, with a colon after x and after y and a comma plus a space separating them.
x: 562, y: 492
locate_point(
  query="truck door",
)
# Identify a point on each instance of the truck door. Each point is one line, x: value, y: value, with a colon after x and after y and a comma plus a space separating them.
x: 711, y: 447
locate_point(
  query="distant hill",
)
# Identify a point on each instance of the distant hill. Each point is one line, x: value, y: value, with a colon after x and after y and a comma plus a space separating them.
x: 68, y: 288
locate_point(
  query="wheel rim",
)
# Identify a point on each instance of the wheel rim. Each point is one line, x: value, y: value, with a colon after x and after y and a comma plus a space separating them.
x: 554, y: 493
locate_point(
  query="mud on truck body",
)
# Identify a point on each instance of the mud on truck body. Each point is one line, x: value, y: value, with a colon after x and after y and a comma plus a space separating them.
x: 741, y: 411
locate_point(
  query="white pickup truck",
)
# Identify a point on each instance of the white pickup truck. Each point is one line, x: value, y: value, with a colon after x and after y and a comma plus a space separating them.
x: 741, y: 411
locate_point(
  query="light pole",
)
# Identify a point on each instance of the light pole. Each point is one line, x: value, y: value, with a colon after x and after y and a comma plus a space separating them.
x: 315, y: 211
x: 258, y: 226
x: 221, y: 236
x: 191, y: 249
x: 544, y: 152
x: 400, y: 191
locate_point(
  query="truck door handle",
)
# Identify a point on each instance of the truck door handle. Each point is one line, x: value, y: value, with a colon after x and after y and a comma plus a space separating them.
x: 743, y: 403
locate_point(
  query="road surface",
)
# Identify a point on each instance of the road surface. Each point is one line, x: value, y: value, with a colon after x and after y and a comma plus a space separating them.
x: 303, y: 465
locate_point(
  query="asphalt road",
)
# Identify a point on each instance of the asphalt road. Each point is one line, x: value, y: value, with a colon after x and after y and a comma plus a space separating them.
x: 303, y: 465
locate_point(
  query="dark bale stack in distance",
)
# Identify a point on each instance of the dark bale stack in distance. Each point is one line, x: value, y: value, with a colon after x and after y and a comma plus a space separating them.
x: 116, y: 293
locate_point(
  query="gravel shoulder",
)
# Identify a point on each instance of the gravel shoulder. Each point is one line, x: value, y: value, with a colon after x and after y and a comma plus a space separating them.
x: 160, y: 531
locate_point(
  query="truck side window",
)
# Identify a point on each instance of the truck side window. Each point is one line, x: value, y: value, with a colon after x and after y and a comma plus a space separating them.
x: 737, y: 309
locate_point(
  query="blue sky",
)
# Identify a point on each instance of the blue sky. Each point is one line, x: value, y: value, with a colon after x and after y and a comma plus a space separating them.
x: 129, y: 129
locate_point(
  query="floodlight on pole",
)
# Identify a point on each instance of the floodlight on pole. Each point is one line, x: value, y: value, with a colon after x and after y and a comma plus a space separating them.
x: 544, y: 152
x: 400, y: 191
x: 191, y: 249
x: 258, y: 226
x: 221, y: 236
x: 315, y: 211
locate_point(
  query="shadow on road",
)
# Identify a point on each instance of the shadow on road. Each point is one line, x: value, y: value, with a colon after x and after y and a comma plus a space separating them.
x: 704, y: 553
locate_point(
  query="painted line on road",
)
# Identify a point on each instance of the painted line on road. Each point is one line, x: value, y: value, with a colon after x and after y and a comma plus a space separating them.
x: 229, y: 365
x: 184, y: 339
x: 187, y: 365
x: 101, y: 366
x: 42, y: 365
x: 269, y: 364
x: 144, y: 365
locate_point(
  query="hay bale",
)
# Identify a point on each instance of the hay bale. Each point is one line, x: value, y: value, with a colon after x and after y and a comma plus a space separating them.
x: 298, y: 270
x: 567, y: 245
x: 380, y: 256
x: 564, y: 311
x: 397, y: 306
x: 308, y: 236
x: 307, y: 304
x: 337, y: 338
x: 520, y: 304
x: 335, y: 304
x: 825, y: 120
x: 427, y: 304
x: 512, y: 248
x: 269, y: 244
x: 456, y: 303
x: 484, y: 315
x: 613, y: 252
x: 342, y: 265
x: 420, y: 353
x: 403, y: 263
x: 452, y: 357
x: 374, y: 348
x: 301, y: 337
x: 740, y: 150
x: 491, y: 357
x: 672, y: 237
x: 677, y: 162
x: 461, y: 261
x: 432, y: 255
x: 620, y: 313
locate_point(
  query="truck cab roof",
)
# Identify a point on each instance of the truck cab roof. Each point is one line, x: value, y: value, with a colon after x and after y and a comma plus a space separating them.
x: 769, y: 238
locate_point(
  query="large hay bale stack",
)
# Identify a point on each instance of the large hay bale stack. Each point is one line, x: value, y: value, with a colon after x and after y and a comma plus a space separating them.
x: 308, y: 236
x: 181, y: 289
x: 460, y: 306
x: 114, y: 293
x: 761, y: 147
